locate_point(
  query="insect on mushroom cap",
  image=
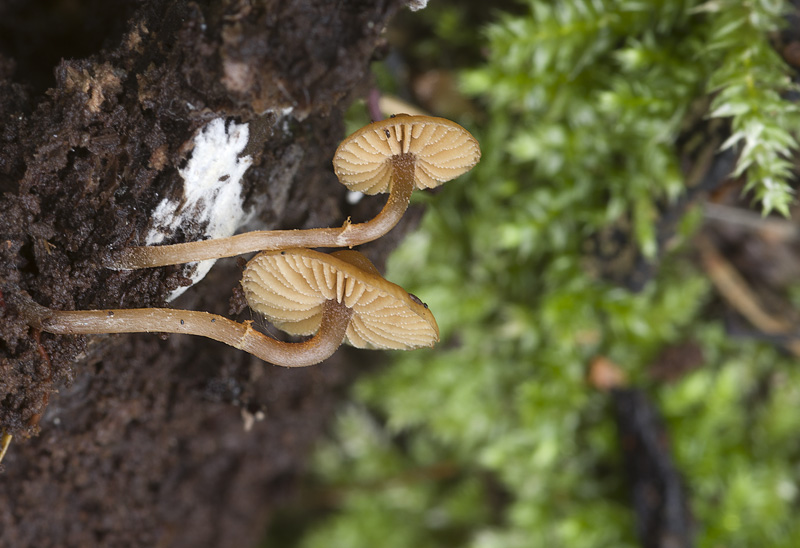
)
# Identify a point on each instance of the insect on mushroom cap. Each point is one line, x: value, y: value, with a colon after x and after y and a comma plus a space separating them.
x: 290, y: 288
x: 441, y: 150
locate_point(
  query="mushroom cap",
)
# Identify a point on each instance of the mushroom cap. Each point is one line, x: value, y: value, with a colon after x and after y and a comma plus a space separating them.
x: 290, y: 288
x: 441, y: 149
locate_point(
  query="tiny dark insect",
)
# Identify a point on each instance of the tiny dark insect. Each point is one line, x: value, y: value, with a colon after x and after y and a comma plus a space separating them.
x: 417, y: 300
x: 110, y: 313
x: 388, y: 135
x: 181, y: 322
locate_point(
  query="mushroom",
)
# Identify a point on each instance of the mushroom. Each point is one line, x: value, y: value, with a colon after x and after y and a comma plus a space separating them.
x: 395, y: 155
x: 336, y: 296
x: 291, y: 288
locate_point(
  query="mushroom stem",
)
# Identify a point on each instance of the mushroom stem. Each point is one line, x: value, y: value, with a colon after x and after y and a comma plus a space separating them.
x: 335, y: 318
x: 348, y: 235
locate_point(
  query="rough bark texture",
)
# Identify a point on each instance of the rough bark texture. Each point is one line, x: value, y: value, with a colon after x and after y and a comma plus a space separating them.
x: 139, y: 440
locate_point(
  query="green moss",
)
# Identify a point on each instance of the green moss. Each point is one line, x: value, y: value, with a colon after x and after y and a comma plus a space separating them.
x: 495, y: 437
x: 736, y: 439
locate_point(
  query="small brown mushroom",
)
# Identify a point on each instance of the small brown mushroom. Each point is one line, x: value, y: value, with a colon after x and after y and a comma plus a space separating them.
x: 302, y: 291
x: 290, y: 288
x: 395, y: 155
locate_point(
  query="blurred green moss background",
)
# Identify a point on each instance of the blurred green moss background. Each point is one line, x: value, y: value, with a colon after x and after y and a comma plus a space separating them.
x: 590, y: 114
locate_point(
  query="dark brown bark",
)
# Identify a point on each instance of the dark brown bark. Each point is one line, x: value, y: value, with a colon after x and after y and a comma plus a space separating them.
x: 141, y: 439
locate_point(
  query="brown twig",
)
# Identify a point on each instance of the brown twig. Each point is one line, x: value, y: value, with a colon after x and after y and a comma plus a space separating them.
x: 772, y: 228
x: 5, y: 441
x: 736, y: 291
x: 661, y: 503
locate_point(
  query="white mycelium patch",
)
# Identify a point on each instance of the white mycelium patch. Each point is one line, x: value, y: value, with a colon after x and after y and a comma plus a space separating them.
x: 354, y: 197
x: 212, y: 190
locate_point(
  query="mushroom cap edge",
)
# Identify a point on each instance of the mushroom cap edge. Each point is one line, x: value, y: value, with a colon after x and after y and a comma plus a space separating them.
x: 271, y: 286
x: 443, y: 150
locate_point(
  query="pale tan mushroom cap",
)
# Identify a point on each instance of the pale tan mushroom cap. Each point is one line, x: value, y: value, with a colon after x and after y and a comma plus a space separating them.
x: 442, y: 150
x: 290, y: 288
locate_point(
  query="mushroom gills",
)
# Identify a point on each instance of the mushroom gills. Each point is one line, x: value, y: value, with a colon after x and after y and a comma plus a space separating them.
x: 385, y: 316
x: 441, y: 150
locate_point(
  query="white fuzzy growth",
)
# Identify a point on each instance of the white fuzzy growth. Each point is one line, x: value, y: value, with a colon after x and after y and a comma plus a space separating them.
x: 211, y: 185
x: 416, y: 5
x: 212, y: 189
x: 354, y: 197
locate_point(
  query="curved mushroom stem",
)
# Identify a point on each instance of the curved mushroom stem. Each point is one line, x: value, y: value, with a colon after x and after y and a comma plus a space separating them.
x: 348, y: 235
x: 335, y: 318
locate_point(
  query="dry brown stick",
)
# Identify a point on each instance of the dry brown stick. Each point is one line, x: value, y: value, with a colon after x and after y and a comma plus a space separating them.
x: 773, y: 228
x: 734, y: 289
x: 659, y: 499
x: 5, y: 441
